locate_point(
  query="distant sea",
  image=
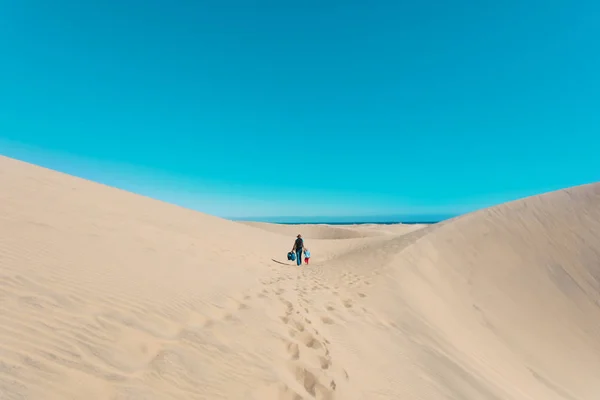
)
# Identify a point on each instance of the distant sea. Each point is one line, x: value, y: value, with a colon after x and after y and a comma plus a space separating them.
x: 381, y: 220
x: 355, y: 223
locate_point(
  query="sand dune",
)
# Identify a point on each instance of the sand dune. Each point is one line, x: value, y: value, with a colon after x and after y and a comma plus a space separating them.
x: 105, y: 294
x: 313, y: 231
x: 335, y: 232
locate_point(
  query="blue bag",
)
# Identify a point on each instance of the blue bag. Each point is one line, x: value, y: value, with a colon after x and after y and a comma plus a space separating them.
x: 291, y: 256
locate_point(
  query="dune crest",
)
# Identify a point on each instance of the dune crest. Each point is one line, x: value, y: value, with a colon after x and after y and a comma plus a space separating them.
x: 335, y: 232
x: 106, y: 294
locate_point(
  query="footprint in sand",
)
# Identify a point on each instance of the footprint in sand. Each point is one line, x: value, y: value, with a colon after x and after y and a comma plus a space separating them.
x: 327, y: 320
x: 310, y: 341
x: 347, y: 303
x: 311, y: 383
x: 229, y: 317
x: 324, y: 362
x: 293, y: 350
x: 208, y: 323
x: 298, y: 325
x: 289, y: 307
x: 362, y: 295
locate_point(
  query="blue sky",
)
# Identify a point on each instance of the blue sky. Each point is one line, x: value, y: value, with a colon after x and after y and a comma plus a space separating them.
x: 258, y: 108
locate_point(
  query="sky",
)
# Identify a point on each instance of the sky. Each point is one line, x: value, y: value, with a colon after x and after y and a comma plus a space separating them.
x: 313, y: 108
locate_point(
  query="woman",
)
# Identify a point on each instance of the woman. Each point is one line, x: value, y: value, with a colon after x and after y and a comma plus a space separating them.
x: 298, y: 247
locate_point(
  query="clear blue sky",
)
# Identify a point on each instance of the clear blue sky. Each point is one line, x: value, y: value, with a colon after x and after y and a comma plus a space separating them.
x: 241, y: 108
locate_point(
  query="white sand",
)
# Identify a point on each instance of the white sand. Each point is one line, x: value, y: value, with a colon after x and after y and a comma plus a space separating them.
x: 109, y: 295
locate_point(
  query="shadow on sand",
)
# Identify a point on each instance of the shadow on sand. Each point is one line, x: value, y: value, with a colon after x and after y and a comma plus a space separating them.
x: 279, y: 262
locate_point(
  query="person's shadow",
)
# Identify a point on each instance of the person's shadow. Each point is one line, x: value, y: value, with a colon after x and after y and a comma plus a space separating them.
x: 278, y: 262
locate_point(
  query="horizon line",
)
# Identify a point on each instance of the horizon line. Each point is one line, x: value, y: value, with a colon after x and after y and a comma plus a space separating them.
x: 352, y: 218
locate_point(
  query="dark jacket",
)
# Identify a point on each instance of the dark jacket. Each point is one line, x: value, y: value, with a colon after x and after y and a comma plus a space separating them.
x: 298, y: 244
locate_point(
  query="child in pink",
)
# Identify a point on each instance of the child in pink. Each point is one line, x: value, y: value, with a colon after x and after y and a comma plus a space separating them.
x: 306, y: 255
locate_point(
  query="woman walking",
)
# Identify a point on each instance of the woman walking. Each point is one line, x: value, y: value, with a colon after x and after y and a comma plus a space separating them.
x: 298, y: 247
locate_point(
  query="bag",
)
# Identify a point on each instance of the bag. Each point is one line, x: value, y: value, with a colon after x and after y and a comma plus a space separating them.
x: 291, y: 256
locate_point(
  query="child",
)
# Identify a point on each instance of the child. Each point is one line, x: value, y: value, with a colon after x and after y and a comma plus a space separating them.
x: 306, y: 255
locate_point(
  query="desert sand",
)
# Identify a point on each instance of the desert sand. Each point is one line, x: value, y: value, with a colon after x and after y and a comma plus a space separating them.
x: 106, y: 294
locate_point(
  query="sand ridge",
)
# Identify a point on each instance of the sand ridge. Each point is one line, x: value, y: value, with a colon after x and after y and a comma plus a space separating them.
x: 106, y: 294
x: 335, y: 232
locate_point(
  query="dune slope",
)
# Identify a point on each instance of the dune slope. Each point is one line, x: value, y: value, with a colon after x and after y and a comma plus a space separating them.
x: 109, y: 295
x: 499, y: 304
x: 335, y: 232
x: 312, y: 231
